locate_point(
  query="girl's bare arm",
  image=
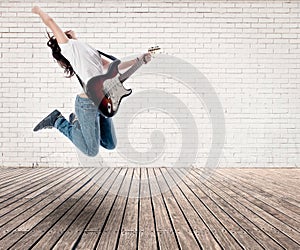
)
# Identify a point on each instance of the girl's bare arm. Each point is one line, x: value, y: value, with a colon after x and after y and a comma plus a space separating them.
x: 51, y: 24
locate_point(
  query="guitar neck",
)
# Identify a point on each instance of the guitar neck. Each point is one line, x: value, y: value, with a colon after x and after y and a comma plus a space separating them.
x: 130, y: 71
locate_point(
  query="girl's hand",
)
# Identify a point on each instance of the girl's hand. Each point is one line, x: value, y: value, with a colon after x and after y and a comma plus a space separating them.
x: 36, y: 10
x: 146, y: 57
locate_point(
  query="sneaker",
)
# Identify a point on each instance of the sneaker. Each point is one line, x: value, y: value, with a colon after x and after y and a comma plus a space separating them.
x: 49, y: 121
x: 72, y: 118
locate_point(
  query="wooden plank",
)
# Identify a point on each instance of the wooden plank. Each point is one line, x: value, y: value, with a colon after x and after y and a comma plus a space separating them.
x: 275, y: 180
x: 269, y: 186
x: 67, y: 209
x: 65, y: 233
x: 95, y: 227
x: 37, y: 227
x: 287, y: 202
x: 111, y: 233
x: 8, y: 174
x: 264, y: 222
x: 167, y: 238
x: 29, y: 185
x: 147, y: 238
x: 25, y: 210
x: 20, y: 193
x: 19, y: 175
x: 16, y: 181
x: 214, y: 227
x: 21, y: 185
x: 129, y: 231
x: 186, y: 236
x: 11, y: 219
x: 12, y: 212
x: 277, y: 177
x: 282, y: 222
x: 275, y: 206
x: 96, y: 203
x: 224, y: 212
x: 52, y: 209
x: 199, y: 229
x: 280, y: 175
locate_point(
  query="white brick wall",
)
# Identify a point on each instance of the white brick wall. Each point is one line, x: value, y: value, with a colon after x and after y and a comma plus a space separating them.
x: 248, y: 50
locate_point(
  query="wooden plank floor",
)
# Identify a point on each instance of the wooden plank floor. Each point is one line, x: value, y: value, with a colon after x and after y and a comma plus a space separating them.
x: 86, y: 208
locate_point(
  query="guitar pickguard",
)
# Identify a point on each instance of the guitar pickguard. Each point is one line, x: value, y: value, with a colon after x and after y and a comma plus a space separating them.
x: 114, y: 90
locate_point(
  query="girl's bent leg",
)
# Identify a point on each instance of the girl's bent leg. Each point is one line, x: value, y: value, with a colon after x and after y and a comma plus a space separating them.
x: 108, y: 138
x: 86, y: 136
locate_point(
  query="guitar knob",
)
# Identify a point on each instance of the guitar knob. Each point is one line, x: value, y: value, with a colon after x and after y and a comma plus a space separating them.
x: 109, y: 108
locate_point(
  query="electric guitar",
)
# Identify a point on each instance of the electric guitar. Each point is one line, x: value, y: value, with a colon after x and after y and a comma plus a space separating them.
x: 107, y: 91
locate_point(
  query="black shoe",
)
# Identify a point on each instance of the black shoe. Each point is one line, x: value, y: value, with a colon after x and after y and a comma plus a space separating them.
x: 72, y: 118
x: 49, y: 121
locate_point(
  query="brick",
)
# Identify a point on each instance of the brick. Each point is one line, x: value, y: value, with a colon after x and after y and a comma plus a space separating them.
x: 247, y: 51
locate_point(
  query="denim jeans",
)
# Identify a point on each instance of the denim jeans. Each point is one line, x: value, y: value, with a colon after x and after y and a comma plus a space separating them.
x: 91, y: 130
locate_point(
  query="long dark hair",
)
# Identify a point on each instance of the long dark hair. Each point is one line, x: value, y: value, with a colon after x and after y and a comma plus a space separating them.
x: 56, y: 53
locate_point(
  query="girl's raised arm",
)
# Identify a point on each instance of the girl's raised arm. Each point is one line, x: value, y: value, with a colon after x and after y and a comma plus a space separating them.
x: 51, y: 24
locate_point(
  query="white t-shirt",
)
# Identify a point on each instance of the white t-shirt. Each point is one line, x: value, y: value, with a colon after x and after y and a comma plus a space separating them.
x: 85, y: 60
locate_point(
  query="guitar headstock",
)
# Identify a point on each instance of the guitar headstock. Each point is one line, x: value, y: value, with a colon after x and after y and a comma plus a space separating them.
x: 153, y: 50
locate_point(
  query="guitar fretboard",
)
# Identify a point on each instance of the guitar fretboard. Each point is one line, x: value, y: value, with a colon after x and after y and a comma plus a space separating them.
x: 129, y: 72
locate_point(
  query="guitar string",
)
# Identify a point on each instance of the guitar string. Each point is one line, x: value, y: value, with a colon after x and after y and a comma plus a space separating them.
x: 118, y: 80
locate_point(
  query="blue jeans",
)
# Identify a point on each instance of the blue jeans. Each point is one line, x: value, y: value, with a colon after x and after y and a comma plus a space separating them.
x: 91, y: 130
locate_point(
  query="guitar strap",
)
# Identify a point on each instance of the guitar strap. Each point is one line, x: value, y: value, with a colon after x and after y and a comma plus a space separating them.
x: 108, y: 56
x: 101, y: 53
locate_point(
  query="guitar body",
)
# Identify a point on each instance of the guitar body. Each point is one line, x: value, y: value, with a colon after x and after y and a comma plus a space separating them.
x: 107, y: 91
